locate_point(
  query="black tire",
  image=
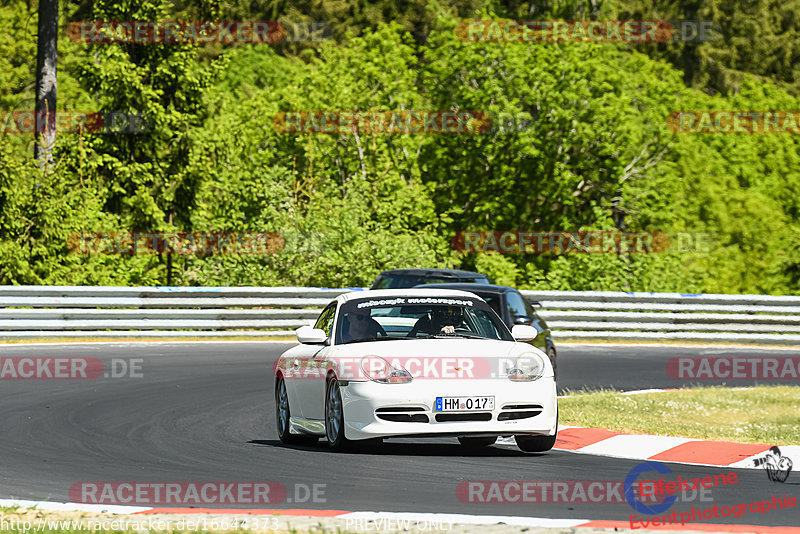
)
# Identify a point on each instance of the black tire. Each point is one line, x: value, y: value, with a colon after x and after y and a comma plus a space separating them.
x: 282, y: 416
x: 537, y: 443
x: 334, y: 417
x: 551, y: 353
x: 477, y: 442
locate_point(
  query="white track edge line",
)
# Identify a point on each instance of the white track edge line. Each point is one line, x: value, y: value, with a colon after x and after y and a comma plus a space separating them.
x: 643, y: 459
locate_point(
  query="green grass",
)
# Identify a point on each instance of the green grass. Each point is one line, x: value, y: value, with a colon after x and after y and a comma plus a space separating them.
x: 763, y: 414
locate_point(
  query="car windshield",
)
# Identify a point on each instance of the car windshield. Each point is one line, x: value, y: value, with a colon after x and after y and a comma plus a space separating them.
x: 399, y: 281
x: 405, y: 318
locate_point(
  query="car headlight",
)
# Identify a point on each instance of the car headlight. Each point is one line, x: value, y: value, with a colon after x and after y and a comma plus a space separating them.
x: 528, y: 367
x: 379, y: 370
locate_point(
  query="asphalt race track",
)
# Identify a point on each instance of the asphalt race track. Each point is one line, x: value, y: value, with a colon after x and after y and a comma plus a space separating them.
x: 205, y: 412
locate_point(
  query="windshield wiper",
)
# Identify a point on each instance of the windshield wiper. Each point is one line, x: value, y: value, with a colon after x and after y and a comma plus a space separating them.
x: 454, y: 334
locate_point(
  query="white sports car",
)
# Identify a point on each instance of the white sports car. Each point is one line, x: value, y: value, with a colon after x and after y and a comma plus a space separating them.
x: 415, y: 362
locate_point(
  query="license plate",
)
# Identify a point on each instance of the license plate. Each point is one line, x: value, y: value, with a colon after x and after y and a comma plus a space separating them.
x: 464, y: 404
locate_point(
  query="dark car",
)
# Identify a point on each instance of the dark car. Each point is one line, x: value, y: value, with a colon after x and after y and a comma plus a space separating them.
x: 513, y: 309
x: 402, y: 278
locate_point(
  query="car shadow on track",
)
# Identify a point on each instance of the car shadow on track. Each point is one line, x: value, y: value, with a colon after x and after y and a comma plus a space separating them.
x: 404, y: 448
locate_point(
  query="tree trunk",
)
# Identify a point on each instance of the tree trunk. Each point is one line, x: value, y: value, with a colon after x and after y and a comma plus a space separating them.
x: 46, y: 83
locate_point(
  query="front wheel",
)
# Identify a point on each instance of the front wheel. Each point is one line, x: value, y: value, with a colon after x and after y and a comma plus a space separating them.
x: 537, y: 443
x: 334, y: 417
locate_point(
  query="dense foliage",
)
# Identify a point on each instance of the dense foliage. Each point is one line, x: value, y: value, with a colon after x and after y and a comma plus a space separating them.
x: 591, y: 149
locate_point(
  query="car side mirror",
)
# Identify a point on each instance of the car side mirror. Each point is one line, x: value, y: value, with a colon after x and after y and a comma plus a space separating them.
x: 522, y: 319
x: 523, y: 332
x: 311, y: 336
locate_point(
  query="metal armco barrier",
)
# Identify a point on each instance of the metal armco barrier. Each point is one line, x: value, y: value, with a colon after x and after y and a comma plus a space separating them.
x: 77, y: 311
x: 623, y: 316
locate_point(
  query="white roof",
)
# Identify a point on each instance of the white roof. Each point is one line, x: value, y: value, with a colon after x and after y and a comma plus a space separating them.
x: 409, y: 292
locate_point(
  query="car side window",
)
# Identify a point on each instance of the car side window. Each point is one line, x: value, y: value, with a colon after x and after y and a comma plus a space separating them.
x: 383, y: 282
x: 494, y: 303
x: 529, y: 309
x: 516, y: 305
x: 325, y: 320
x: 484, y: 325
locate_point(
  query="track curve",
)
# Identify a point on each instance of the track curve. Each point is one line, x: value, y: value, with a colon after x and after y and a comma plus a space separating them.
x: 205, y: 412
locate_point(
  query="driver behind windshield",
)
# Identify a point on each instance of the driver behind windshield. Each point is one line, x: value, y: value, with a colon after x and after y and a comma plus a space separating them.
x: 440, y: 320
x: 361, y: 326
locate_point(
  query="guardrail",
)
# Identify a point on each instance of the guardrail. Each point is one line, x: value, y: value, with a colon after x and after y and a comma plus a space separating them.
x: 78, y: 311
x: 654, y: 316
x: 70, y: 311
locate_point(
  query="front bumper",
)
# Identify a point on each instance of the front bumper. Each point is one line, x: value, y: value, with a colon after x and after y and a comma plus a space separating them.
x: 367, y: 405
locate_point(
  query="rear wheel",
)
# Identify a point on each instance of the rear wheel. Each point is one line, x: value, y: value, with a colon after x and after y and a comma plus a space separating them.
x: 477, y: 442
x: 334, y: 417
x: 283, y: 416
